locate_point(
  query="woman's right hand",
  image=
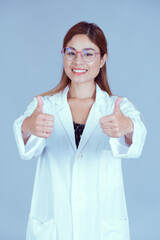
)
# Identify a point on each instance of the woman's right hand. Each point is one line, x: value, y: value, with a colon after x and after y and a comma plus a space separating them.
x: 38, y: 123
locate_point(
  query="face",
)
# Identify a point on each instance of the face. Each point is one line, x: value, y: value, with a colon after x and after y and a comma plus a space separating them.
x: 89, y: 69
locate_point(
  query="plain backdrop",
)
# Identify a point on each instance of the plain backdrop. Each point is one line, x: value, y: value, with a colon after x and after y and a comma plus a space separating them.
x: 31, y: 35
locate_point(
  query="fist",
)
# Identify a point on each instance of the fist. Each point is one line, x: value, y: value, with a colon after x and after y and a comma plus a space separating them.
x: 38, y: 123
x: 116, y: 124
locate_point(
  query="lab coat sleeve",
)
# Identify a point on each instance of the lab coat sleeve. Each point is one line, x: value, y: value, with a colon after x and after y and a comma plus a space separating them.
x: 34, y: 145
x: 118, y: 145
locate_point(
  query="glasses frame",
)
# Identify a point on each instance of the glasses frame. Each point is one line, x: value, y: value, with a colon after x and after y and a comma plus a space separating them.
x: 96, y: 53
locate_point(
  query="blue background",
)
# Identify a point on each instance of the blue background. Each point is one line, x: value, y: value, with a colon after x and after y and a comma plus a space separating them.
x: 31, y: 35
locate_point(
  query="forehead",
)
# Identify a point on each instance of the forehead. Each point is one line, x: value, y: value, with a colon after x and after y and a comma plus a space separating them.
x: 81, y: 41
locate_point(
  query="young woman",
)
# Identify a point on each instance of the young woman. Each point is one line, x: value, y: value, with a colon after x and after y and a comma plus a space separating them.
x: 79, y: 131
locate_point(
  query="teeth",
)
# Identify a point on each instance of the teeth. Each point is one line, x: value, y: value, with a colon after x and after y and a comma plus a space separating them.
x: 79, y: 71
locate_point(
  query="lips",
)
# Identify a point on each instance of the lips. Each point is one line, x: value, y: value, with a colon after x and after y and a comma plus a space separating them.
x: 79, y: 71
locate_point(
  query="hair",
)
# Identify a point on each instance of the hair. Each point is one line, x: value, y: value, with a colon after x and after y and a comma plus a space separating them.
x: 96, y: 35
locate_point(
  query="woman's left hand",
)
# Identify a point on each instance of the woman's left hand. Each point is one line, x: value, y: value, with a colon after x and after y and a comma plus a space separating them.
x: 117, y: 124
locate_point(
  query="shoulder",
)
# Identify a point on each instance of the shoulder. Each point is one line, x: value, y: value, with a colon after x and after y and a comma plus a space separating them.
x: 107, y: 103
x: 51, y: 99
x: 126, y: 105
x: 58, y: 98
x: 55, y: 102
x: 48, y: 104
x: 124, y: 100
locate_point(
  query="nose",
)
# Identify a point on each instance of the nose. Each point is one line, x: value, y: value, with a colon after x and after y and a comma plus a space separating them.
x: 78, y: 59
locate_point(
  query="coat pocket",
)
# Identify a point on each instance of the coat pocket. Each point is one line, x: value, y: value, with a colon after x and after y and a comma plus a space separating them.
x: 37, y: 230
x: 115, y: 230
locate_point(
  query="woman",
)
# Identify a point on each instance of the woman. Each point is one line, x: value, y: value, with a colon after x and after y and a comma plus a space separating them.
x: 80, y: 132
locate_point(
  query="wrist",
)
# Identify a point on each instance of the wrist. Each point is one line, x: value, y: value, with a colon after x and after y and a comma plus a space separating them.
x: 129, y: 134
x: 130, y: 127
x: 24, y: 130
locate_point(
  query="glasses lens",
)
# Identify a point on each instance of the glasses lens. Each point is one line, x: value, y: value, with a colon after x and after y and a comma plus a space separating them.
x: 69, y: 53
x: 88, y: 55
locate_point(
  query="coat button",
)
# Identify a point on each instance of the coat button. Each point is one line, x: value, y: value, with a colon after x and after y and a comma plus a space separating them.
x: 80, y: 155
x: 78, y: 199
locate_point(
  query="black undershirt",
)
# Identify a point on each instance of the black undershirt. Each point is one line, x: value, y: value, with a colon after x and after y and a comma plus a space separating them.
x: 78, y: 130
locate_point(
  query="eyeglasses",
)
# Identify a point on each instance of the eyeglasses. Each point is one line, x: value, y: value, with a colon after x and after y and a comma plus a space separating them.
x: 87, y: 54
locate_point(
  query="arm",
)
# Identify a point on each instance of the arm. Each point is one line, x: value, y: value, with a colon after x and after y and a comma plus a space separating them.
x: 131, y: 144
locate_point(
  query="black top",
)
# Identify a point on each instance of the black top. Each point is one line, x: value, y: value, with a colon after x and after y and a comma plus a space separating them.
x: 78, y: 130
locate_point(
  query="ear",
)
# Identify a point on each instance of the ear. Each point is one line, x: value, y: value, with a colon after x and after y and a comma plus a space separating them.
x: 103, y: 60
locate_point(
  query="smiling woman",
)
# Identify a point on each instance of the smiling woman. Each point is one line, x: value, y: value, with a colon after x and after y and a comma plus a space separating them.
x: 80, y: 132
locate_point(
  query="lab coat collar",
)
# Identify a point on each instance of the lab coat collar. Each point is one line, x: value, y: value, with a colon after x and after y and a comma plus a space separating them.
x: 64, y: 113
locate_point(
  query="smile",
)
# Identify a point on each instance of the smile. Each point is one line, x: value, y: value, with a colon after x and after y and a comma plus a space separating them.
x: 79, y: 71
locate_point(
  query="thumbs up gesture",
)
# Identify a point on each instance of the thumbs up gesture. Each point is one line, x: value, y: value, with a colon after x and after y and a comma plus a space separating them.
x: 38, y: 123
x: 117, y: 124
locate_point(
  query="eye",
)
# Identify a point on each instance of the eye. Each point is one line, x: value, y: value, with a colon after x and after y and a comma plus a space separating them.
x: 70, y: 52
x: 88, y: 52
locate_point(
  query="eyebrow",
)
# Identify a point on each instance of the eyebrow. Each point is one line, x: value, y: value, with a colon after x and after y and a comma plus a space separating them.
x: 82, y: 49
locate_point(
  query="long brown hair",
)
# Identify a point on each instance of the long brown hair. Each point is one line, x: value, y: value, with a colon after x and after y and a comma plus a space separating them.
x: 96, y: 35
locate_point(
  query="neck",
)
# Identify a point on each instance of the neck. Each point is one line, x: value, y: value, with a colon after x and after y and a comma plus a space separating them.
x: 82, y: 90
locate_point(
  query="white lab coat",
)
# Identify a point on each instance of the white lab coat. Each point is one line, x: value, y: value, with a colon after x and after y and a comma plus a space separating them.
x: 78, y: 193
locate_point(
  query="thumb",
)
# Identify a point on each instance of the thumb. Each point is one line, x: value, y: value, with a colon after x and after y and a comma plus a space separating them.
x: 117, y: 105
x: 39, y: 104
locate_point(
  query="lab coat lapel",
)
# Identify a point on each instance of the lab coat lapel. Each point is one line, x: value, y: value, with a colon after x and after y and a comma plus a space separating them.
x: 64, y: 114
x: 92, y: 122
x: 66, y: 119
